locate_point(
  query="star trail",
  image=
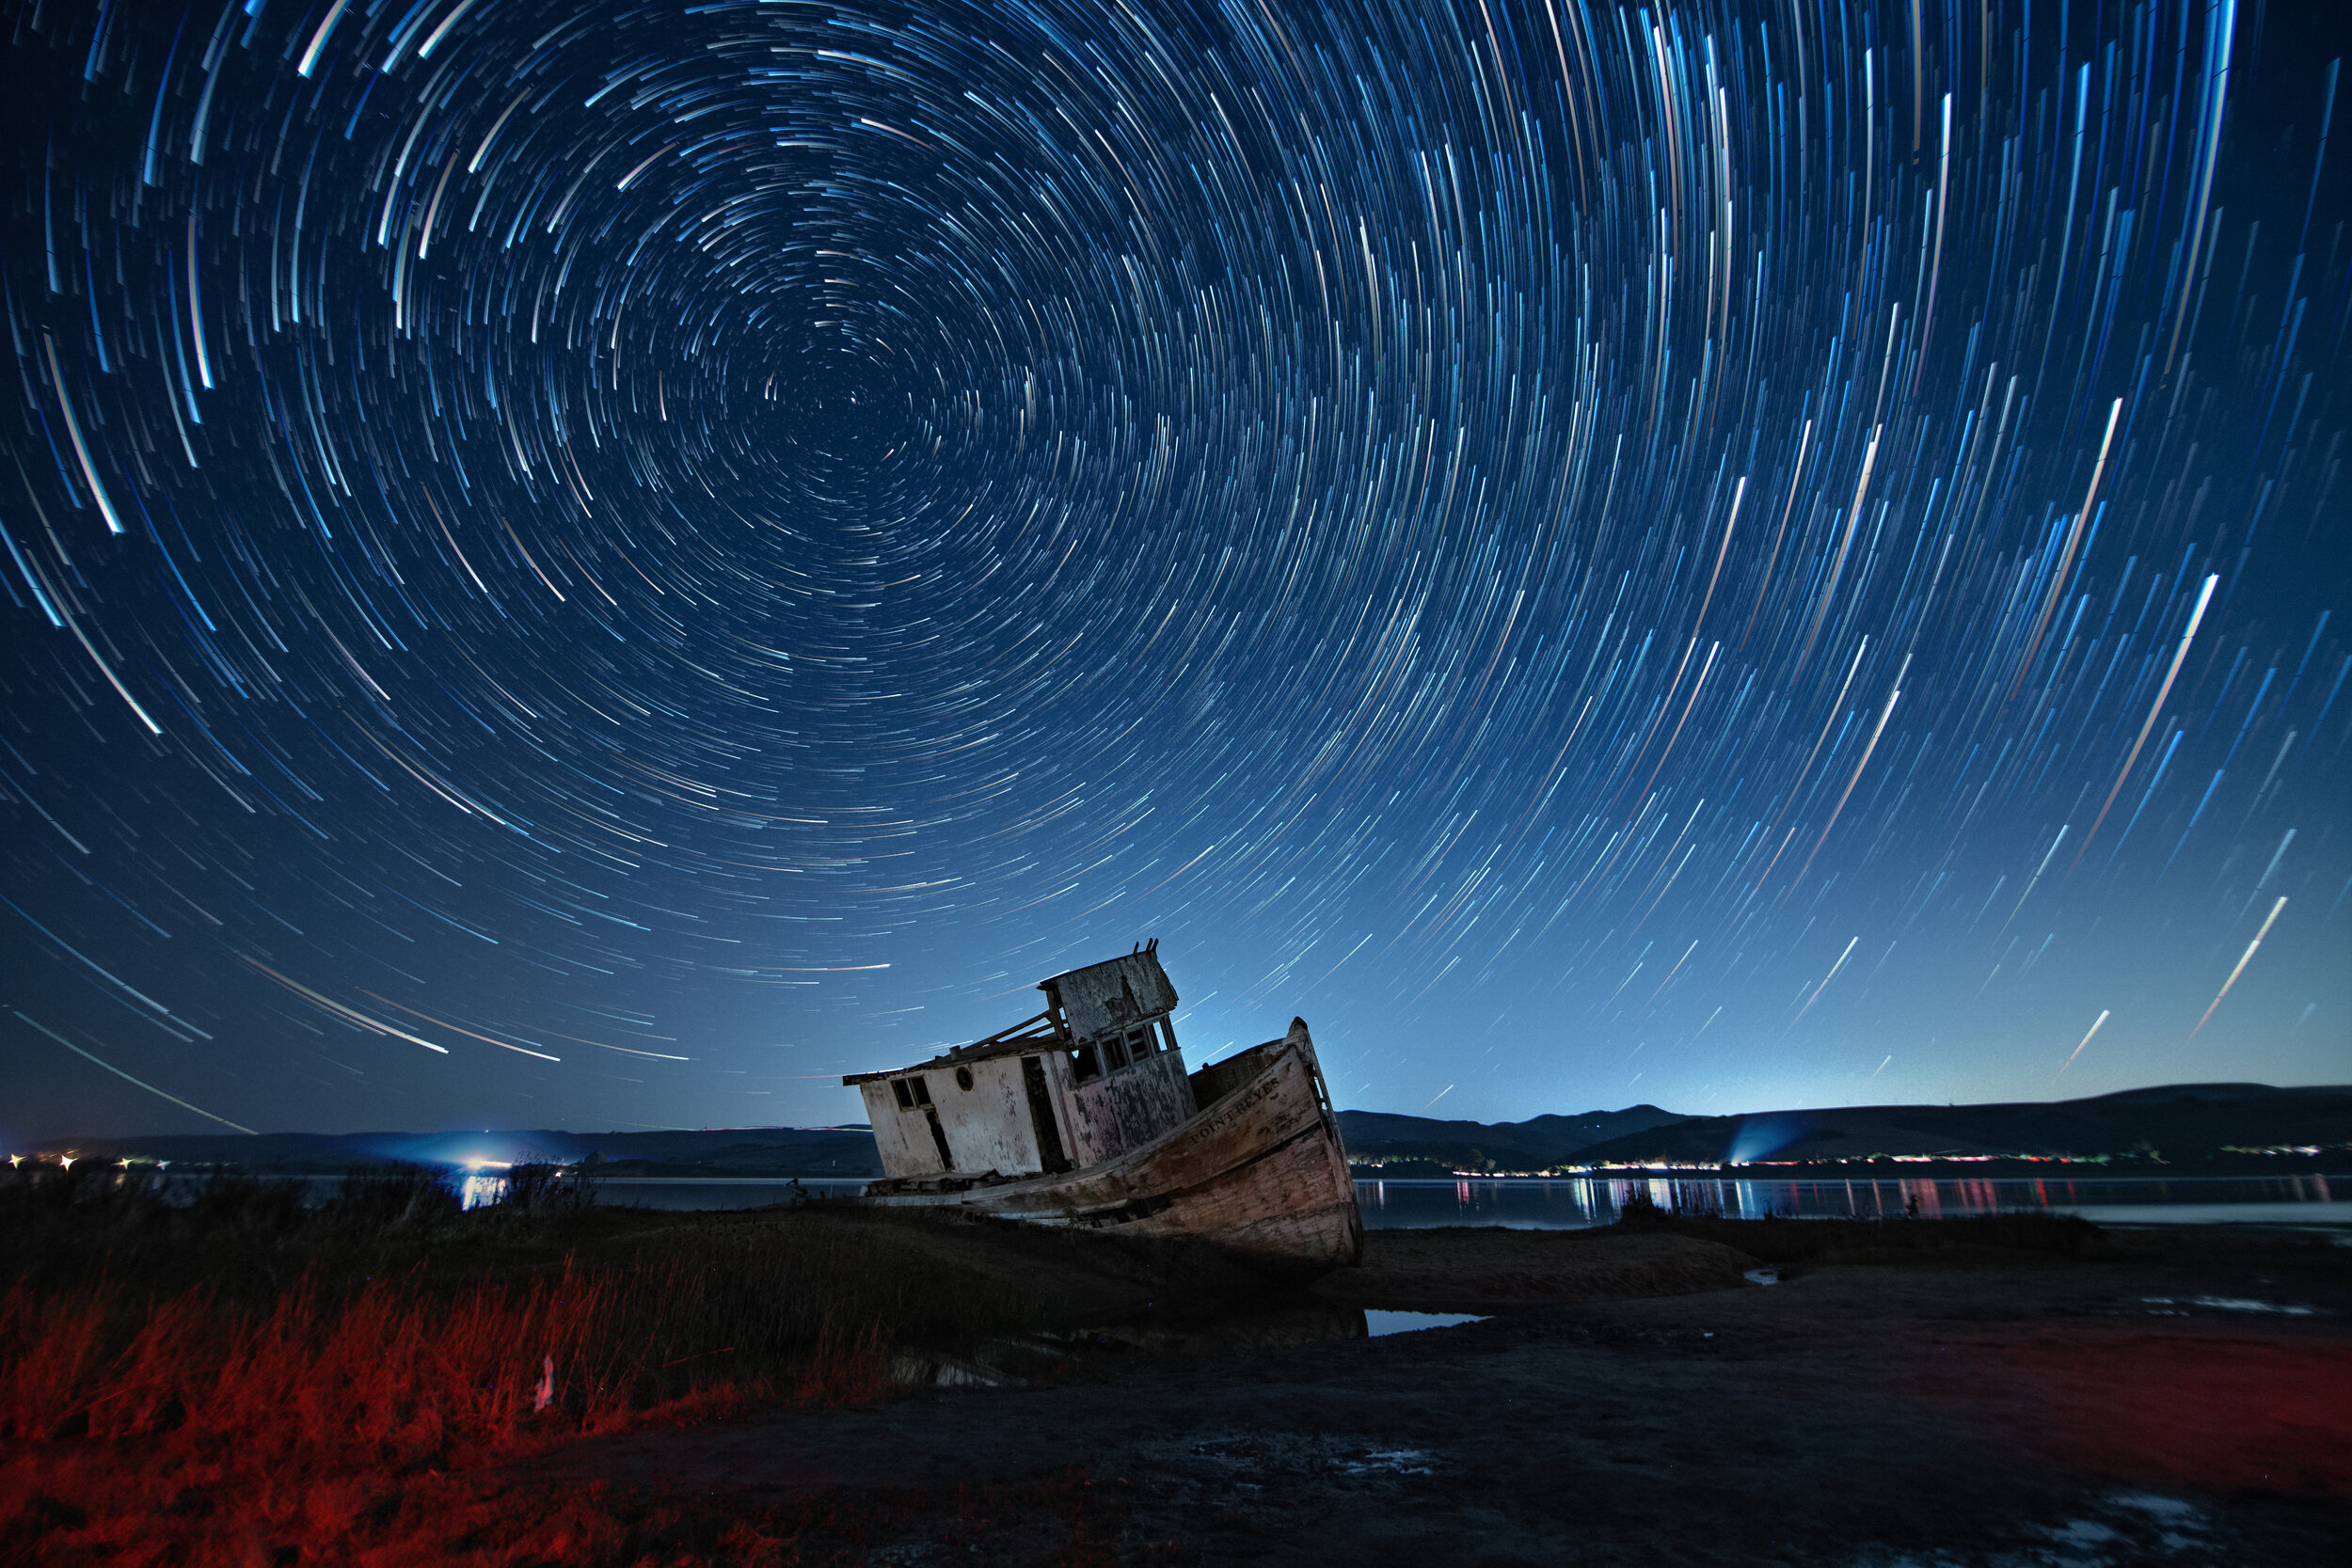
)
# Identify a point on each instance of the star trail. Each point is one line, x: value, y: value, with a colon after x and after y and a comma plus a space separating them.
x: 600, y: 566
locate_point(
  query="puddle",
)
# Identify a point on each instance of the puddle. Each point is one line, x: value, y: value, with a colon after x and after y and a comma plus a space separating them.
x: 1389, y: 1462
x: 912, y: 1370
x: 2178, y: 1306
x: 1766, y: 1275
x: 1261, y: 1457
x: 1377, y: 1321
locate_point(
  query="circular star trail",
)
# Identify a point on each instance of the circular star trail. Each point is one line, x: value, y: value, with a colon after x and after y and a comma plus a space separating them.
x: 602, y: 566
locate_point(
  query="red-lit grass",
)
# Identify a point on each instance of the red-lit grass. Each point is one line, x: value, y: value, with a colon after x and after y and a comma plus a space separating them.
x: 174, y: 1428
x: 401, y: 1374
x: 380, y: 1431
x: 242, y: 1378
x: 245, y: 1379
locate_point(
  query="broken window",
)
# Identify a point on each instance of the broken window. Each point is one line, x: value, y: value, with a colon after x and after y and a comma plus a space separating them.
x: 1111, y: 1053
x: 906, y: 1096
x: 922, y: 1091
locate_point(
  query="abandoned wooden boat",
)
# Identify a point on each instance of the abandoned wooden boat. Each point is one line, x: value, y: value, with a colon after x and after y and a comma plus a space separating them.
x: 1085, y: 1114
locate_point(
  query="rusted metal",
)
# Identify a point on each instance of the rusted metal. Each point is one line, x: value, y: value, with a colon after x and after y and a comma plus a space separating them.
x: 1098, y: 1123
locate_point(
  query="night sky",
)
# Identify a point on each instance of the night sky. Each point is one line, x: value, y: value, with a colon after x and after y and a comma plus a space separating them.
x: 574, y: 565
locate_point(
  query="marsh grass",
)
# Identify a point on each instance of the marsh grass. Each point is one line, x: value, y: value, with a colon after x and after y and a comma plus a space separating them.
x: 180, y: 1373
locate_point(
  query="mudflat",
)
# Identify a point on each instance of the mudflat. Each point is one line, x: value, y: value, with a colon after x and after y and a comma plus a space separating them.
x: 2165, y: 1396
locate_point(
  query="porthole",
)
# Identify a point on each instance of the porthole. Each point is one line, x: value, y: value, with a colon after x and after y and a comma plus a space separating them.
x: 963, y: 1077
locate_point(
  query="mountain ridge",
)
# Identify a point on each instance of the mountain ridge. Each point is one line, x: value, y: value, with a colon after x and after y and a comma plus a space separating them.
x: 720, y: 1151
x: 2168, y: 1121
x: 2193, y: 1120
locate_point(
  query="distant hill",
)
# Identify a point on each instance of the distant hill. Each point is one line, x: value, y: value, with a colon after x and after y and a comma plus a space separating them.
x: 718, y: 1151
x: 1537, y: 1144
x: 2174, y: 1122
x: 2177, y: 1122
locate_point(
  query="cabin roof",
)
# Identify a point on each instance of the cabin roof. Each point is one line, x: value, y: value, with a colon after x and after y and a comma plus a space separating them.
x: 1030, y: 1034
x: 1094, y: 997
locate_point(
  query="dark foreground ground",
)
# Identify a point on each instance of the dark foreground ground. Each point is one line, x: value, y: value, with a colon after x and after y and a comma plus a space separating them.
x: 2144, y: 1403
x: 384, y: 1382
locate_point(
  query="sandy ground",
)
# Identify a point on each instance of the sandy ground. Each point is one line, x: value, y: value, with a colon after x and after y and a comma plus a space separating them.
x: 2134, y: 1409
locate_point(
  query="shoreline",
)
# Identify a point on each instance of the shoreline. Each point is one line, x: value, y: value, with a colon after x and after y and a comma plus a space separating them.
x: 1872, y: 1171
x: 987, y: 1392
x: 1856, y: 1415
x: 1894, y: 1170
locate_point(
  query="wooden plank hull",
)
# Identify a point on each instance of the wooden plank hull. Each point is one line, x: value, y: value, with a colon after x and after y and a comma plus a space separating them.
x: 1260, y: 1171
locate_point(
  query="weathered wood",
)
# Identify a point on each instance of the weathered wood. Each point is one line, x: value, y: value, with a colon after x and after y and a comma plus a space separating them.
x: 1246, y: 1153
x: 1120, y: 1083
x: 1259, y: 1169
x: 1127, y: 1109
x: 980, y: 1108
x: 1112, y: 994
x: 1021, y: 1031
x: 1018, y: 1036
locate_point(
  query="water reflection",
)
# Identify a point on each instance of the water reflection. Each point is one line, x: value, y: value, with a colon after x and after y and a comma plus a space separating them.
x: 1579, y: 1203
x: 1535, y: 1203
x: 479, y: 1189
x: 1381, y: 1322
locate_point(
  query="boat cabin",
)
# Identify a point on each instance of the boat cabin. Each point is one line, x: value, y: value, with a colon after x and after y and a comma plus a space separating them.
x: 1097, y: 1073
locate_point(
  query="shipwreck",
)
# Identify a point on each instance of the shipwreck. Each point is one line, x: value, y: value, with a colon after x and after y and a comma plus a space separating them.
x: 1085, y: 1114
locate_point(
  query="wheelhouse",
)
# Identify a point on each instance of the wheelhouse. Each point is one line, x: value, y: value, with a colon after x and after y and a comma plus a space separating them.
x: 1096, y: 1073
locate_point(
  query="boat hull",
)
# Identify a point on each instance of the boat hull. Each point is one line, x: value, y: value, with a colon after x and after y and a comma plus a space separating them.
x: 1260, y: 1171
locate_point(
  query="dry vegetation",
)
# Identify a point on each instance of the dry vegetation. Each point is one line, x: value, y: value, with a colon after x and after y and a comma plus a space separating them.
x: 235, y: 1377
x: 225, y: 1375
